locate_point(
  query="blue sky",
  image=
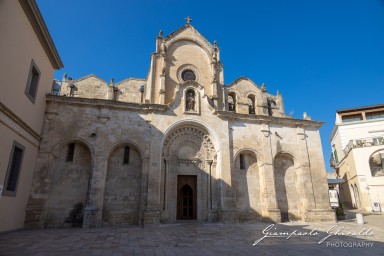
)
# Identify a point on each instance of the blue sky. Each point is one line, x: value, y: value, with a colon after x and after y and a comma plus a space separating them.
x: 322, y: 55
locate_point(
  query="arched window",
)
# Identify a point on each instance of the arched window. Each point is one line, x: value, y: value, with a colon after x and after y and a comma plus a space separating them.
x: 190, y: 100
x: 251, y: 104
x: 232, y: 101
x: 376, y: 163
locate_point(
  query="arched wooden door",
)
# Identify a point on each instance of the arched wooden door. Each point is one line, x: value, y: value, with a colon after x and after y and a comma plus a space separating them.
x: 186, y: 197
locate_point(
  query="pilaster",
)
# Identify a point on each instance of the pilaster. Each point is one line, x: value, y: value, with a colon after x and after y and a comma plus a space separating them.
x: 267, y: 179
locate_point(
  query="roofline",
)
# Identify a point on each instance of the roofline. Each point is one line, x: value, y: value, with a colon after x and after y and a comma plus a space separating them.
x: 35, y: 18
x: 346, y: 110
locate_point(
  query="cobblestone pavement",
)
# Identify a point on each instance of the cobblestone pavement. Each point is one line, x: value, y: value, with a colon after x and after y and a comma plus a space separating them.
x: 201, y: 239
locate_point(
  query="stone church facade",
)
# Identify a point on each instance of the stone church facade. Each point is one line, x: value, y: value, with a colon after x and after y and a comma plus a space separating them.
x: 180, y: 144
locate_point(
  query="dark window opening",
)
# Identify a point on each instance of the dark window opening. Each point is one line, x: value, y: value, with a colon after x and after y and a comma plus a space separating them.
x: 188, y: 75
x: 374, y: 115
x: 71, y: 152
x: 142, y: 93
x: 14, y: 168
x: 269, y: 104
x: 352, y: 118
x: 251, y: 107
x: 126, y: 155
x: 115, y: 93
x: 33, y: 82
x: 232, y: 102
x: 242, y: 164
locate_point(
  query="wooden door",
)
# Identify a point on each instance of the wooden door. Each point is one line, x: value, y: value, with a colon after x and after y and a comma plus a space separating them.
x: 186, y: 197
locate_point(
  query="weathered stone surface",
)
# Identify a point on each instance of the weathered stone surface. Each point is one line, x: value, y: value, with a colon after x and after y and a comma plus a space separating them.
x: 281, y: 177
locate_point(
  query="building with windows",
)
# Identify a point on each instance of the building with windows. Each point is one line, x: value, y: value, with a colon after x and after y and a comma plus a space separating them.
x: 28, y: 60
x: 357, y: 142
x: 179, y: 144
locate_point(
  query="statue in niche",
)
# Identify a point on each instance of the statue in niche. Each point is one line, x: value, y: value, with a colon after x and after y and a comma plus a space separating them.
x: 163, y: 47
x: 190, y: 102
x: 214, y: 56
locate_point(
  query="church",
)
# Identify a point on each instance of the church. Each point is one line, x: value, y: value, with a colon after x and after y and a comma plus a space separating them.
x: 178, y: 145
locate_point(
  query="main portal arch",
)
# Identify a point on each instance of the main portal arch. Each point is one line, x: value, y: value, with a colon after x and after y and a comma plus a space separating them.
x: 188, y: 174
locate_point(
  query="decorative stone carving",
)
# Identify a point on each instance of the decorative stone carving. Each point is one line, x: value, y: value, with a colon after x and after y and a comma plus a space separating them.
x: 190, y: 143
x: 184, y: 68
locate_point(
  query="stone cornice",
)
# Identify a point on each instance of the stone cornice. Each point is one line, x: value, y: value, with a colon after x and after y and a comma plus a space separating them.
x: 250, y: 118
x: 35, y: 18
x: 16, y: 124
x: 144, y: 107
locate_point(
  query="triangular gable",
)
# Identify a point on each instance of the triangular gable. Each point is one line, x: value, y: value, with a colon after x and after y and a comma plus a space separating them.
x: 176, y: 35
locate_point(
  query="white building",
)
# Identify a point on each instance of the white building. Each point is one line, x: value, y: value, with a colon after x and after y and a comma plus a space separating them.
x: 357, y: 142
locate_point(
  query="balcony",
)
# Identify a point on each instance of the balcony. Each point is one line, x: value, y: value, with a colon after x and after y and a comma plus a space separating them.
x: 363, y: 142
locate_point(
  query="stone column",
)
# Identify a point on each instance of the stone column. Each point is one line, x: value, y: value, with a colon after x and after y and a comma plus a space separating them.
x: 214, y: 198
x: 267, y: 179
x: 96, y: 188
x: 212, y: 205
x: 165, y: 211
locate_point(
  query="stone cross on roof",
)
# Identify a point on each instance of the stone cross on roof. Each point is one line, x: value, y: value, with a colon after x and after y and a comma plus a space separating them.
x: 188, y: 19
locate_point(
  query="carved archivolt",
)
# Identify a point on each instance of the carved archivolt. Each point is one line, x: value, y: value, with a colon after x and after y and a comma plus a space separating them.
x: 190, y: 141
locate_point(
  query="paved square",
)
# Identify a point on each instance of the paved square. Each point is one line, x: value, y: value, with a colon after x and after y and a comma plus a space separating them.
x: 191, y: 238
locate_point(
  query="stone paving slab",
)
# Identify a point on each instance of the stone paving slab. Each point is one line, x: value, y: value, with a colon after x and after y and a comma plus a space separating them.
x: 199, y: 239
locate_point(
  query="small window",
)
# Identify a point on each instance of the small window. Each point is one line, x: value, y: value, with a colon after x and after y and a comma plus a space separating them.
x: 242, y: 164
x: 13, y: 171
x: 126, y: 155
x: 374, y: 115
x: 352, y: 118
x: 71, y: 152
x: 32, y: 82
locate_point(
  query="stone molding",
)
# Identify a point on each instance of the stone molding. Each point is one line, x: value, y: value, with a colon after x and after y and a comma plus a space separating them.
x: 145, y: 107
x: 184, y: 67
x: 179, y: 135
x: 17, y: 125
x: 37, y: 22
x: 252, y: 118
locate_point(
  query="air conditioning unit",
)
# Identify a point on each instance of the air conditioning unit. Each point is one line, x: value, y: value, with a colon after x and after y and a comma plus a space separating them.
x: 376, y: 207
